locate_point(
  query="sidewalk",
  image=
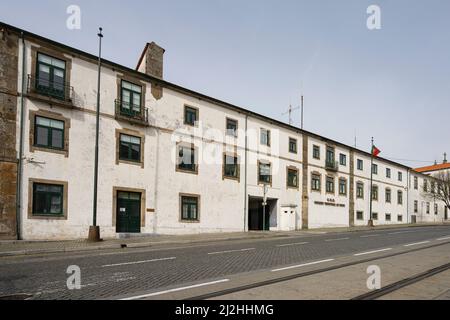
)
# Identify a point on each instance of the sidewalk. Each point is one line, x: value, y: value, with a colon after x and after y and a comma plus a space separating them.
x: 26, y: 247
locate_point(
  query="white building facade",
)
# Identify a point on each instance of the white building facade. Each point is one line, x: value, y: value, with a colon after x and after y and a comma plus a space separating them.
x: 171, y: 161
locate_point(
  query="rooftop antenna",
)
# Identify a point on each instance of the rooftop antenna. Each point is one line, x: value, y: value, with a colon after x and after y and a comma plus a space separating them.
x: 289, y: 111
x: 301, y: 113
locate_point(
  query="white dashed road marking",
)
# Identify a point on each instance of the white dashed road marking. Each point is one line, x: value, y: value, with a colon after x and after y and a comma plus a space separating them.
x: 136, y: 262
x: 415, y: 243
x: 370, y: 252
x: 229, y: 251
x: 302, y: 265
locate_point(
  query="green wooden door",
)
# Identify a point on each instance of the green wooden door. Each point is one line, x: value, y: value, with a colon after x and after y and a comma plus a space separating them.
x: 128, y: 216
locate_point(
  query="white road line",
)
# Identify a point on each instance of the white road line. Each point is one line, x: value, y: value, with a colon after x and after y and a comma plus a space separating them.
x: 291, y: 244
x: 136, y: 262
x: 445, y: 238
x: 371, y: 235
x: 398, y: 232
x: 338, y: 239
x: 175, y: 290
x: 370, y: 252
x: 415, y: 243
x: 228, y: 251
x: 302, y: 265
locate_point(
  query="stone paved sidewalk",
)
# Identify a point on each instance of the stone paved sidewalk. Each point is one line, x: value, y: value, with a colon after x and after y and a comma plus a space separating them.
x: 25, y: 247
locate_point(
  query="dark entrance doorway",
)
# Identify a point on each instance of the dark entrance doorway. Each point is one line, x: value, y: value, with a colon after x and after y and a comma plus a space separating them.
x: 128, y: 215
x: 446, y: 213
x: 255, y: 214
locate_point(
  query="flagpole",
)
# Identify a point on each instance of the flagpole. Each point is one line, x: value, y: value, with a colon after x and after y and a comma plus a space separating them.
x: 371, y: 185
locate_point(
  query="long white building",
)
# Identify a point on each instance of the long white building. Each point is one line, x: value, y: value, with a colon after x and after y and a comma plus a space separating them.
x: 171, y: 160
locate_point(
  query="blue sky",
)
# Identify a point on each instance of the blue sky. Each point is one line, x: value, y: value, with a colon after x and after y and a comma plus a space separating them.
x: 392, y: 83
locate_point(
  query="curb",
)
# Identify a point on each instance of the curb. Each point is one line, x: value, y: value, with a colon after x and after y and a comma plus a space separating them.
x: 25, y: 252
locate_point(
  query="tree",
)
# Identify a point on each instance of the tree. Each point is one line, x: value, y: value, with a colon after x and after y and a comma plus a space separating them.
x: 439, y: 189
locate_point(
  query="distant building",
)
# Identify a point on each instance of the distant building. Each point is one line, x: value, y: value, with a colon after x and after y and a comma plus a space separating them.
x: 172, y: 161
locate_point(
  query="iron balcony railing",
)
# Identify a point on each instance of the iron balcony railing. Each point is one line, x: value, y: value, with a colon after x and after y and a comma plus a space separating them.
x: 332, y: 165
x: 52, y: 89
x: 132, y: 112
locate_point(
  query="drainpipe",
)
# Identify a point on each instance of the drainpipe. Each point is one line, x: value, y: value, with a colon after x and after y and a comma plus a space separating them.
x: 20, y: 161
x: 245, y: 176
x: 407, y: 196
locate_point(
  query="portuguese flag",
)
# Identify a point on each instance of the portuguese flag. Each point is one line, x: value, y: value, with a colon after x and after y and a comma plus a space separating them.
x: 375, y: 151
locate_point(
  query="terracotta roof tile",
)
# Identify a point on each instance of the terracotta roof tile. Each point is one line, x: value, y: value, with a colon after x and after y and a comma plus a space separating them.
x: 435, y: 167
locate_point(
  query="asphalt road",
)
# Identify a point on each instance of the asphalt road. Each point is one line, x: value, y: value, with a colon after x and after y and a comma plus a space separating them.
x: 113, y: 273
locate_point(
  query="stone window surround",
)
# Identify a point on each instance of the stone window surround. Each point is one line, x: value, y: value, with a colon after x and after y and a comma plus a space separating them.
x: 116, y: 189
x: 231, y: 154
x: 55, y: 54
x: 339, y: 186
x: 375, y: 187
x: 180, y: 205
x: 271, y: 176
x: 269, y: 138
x: 197, y: 115
x: 316, y: 147
x: 362, y: 215
x: 134, y: 81
x: 296, y: 145
x: 327, y: 178
x: 130, y: 133
x: 51, y: 115
x: 226, y: 126
x: 189, y: 145
x: 319, y: 175
x: 359, y: 183
x: 65, y: 184
x: 388, y: 190
x: 287, y: 177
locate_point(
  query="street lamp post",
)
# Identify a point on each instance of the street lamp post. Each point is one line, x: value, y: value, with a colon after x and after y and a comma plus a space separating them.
x: 94, y: 230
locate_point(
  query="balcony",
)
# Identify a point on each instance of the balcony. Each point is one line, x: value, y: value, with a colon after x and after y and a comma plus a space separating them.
x: 50, y: 91
x: 332, y: 165
x: 126, y: 111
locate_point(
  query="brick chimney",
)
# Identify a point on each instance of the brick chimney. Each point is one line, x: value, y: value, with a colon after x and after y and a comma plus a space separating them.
x: 151, y: 61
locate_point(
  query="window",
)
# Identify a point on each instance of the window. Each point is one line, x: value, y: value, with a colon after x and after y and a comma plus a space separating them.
x: 425, y: 185
x: 374, y: 168
x: 292, y: 178
x: 315, y: 182
x: 436, y: 209
x: 400, y: 197
x: 264, y: 173
x: 359, y: 164
x: 330, y: 157
x: 292, y: 145
x: 360, y: 190
x: 329, y: 186
x: 374, y: 216
x: 428, y: 208
x: 359, y: 215
x: 232, y: 126
x: 388, y: 217
x: 189, y: 208
x: 432, y: 186
x: 388, y: 195
x: 190, y: 115
x: 375, y: 193
x: 342, y: 159
x: 265, y: 137
x: 316, y: 152
x: 400, y: 176
x: 130, y: 96
x: 342, y: 187
x: 186, y: 158
x: 399, y: 218
x: 230, y: 166
x: 48, y: 200
x: 416, y: 183
x: 130, y: 148
x: 49, y: 133
x: 50, y: 76
x: 388, y: 173
x: 416, y: 206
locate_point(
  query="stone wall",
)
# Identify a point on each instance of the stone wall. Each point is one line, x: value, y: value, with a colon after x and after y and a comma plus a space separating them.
x: 8, y: 115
